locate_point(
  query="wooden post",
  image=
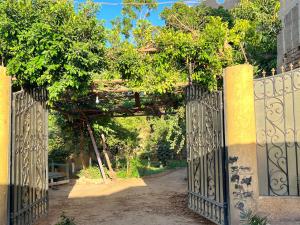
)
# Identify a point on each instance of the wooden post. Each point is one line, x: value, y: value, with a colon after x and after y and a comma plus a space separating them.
x: 105, y: 148
x: 240, y: 138
x: 97, y: 152
x: 5, y: 124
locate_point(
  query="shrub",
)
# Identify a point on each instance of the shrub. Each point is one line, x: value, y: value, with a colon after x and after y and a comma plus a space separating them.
x: 254, y: 219
x: 90, y: 173
x: 133, y: 168
x: 163, y: 153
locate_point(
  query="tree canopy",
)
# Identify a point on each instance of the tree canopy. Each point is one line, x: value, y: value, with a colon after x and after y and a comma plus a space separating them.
x: 261, y: 37
x: 47, y: 43
x: 93, y: 73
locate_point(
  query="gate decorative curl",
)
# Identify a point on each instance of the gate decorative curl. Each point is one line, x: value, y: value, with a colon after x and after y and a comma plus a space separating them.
x: 277, y: 111
x: 29, y: 162
x: 206, y: 154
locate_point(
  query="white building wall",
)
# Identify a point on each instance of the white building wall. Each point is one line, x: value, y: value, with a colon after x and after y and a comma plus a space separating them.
x: 289, y: 38
x: 228, y: 4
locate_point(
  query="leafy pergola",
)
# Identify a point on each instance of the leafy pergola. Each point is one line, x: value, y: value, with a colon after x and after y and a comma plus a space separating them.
x: 114, y: 99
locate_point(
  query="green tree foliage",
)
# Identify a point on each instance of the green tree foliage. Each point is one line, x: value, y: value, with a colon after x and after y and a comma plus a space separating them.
x: 122, y: 134
x: 156, y: 139
x: 195, y: 44
x: 150, y: 73
x: 135, y: 10
x: 168, y: 133
x: 202, y: 54
x: 257, y: 22
x: 202, y: 41
x: 185, y: 18
x: 127, y: 138
x: 49, y: 43
x: 65, y: 138
x: 261, y: 37
x: 46, y: 43
x: 189, y: 19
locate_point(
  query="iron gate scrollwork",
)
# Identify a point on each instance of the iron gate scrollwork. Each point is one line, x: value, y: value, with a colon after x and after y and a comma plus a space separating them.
x: 206, y: 154
x: 29, y: 157
x: 277, y: 108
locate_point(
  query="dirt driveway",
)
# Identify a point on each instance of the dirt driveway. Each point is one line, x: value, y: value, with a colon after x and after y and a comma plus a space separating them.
x: 157, y: 200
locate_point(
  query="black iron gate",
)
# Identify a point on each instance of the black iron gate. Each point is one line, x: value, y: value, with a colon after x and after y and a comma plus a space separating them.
x: 206, y: 154
x: 29, y: 157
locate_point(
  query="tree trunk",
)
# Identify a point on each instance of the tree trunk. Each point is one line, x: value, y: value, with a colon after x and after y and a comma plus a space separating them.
x: 127, y: 166
x: 97, y: 152
x: 137, y: 99
x: 105, y: 152
x: 81, y: 154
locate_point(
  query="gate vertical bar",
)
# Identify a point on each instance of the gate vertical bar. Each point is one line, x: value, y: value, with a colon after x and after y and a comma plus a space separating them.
x: 224, y: 155
x: 295, y: 132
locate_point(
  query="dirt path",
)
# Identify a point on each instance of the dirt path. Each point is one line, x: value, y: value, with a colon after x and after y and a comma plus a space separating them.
x: 157, y: 200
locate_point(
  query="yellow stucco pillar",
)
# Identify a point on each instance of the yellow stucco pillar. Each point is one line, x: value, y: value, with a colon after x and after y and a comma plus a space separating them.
x: 240, y: 139
x: 5, y: 105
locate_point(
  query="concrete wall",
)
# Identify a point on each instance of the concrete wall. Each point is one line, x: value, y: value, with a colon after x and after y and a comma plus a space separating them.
x: 280, y: 210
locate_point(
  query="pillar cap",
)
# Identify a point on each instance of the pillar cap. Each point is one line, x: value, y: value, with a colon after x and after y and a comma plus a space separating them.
x: 238, y: 66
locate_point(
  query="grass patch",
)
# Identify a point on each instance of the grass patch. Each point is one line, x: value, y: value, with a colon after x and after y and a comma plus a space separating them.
x: 137, y: 168
x: 140, y: 168
x: 174, y: 164
x: 153, y: 170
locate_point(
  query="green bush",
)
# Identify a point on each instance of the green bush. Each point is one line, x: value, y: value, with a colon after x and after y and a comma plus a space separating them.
x: 163, y: 152
x: 64, y: 220
x: 90, y: 173
x: 132, y: 170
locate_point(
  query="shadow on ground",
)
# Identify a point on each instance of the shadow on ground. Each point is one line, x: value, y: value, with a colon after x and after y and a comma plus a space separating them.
x: 156, y: 200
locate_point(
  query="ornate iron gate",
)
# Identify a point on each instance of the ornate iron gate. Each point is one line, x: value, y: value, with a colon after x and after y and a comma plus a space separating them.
x: 277, y: 107
x: 206, y: 154
x: 29, y: 157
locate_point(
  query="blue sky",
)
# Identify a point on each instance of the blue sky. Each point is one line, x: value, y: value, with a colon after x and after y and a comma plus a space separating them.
x: 110, y: 12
